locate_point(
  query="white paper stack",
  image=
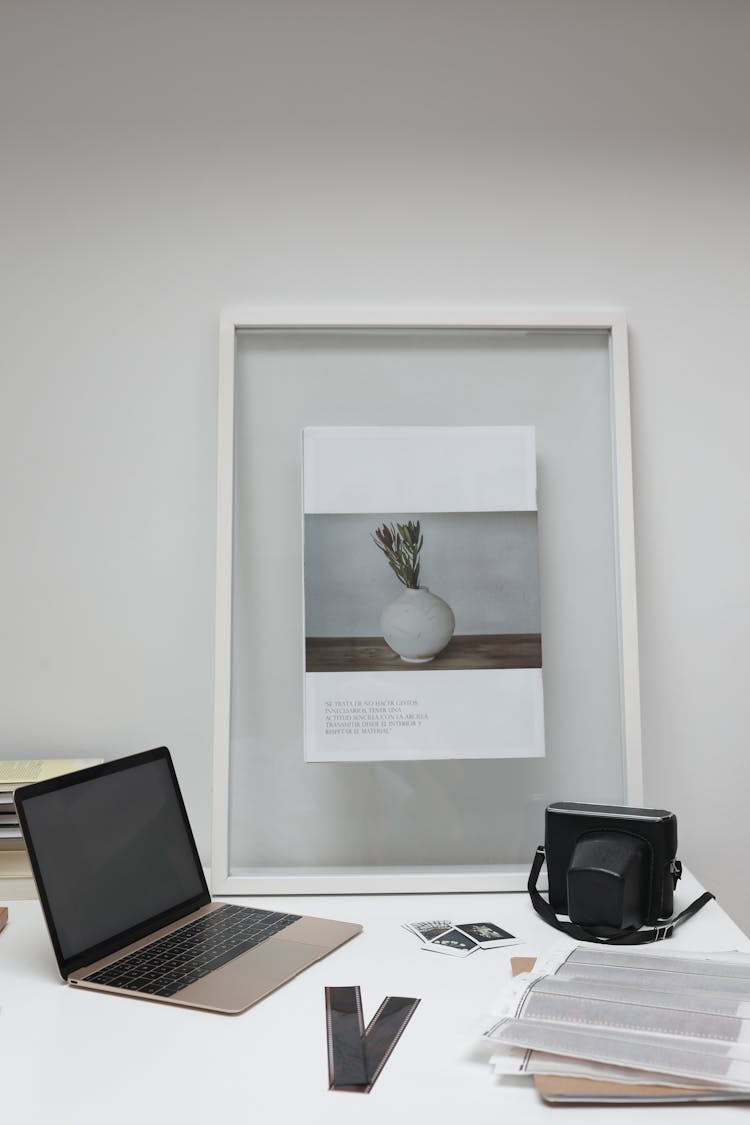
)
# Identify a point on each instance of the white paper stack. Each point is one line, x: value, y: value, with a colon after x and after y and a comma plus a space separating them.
x: 628, y: 1018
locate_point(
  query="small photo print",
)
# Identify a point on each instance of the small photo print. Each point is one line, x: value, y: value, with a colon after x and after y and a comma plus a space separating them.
x: 427, y: 931
x: 487, y: 934
x: 453, y: 942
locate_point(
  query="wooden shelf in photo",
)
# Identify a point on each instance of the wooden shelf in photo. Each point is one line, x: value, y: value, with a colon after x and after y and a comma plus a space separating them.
x: 372, y: 654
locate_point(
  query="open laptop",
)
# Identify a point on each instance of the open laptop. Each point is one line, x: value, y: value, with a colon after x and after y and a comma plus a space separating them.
x: 126, y: 902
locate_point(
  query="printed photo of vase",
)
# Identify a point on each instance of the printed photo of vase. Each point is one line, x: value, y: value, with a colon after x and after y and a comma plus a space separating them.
x: 417, y: 625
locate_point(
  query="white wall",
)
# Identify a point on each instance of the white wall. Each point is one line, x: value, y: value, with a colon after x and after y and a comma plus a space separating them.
x: 161, y: 160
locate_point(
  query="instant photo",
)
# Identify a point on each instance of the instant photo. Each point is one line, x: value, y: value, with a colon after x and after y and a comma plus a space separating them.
x: 426, y: 931
x: 452, y: 942
x: 421, y: 594
x: 487, y: 934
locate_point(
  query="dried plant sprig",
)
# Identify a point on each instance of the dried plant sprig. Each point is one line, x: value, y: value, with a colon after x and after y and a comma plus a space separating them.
x: 401, y: 544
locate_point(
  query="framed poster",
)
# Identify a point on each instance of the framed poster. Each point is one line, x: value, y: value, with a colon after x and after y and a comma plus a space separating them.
x: 474, y: 688
x: 470, y: 473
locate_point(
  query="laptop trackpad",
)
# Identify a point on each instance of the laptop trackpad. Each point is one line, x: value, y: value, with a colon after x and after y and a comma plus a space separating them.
x: 251, y: 976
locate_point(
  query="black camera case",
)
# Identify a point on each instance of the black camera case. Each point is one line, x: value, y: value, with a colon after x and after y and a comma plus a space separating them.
x: 611, y: 869
x: 609, y: 865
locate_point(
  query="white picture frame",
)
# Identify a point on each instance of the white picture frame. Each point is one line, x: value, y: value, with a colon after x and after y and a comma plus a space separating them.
x: 375, y: 878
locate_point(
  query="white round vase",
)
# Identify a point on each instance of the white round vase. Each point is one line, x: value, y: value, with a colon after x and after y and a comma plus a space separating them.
x: 417, y: 625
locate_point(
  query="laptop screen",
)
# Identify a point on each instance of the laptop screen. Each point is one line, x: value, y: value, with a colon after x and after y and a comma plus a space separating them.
x: 113, y: 855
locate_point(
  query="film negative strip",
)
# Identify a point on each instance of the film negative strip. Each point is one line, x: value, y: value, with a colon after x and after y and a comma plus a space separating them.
x: 347, y: 1063
x: 357, y: 1055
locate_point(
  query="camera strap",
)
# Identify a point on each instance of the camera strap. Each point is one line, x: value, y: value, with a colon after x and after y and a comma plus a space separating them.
x: 629, y: 936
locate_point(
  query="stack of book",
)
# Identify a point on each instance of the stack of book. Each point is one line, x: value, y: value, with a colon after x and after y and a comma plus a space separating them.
x: 16, y: 880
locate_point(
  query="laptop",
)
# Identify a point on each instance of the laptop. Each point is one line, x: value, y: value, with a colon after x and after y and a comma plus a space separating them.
x: 126, y: 902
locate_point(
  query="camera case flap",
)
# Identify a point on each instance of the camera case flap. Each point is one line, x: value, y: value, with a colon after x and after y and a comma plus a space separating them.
x: 609, y: 865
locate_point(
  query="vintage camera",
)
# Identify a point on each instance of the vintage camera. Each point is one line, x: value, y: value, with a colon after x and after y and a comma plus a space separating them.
x: 611, y: 866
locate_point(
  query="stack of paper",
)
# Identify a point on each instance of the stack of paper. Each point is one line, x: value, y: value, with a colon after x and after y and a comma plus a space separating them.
x: 15, y: 869
x: 9, y: 827
x: 612, y: 1024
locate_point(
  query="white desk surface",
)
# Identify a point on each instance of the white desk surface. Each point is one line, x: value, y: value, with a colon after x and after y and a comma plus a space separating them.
x: 92, y: 1059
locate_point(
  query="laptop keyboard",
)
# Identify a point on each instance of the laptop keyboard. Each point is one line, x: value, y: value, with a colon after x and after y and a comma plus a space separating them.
x: 185, y: 955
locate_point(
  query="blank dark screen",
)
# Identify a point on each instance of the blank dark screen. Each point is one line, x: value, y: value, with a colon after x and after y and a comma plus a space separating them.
x: 113, y: 852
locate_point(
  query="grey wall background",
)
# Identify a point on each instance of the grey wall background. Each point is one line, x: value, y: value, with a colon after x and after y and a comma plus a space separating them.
x: 162, y: 160
x: 484, y: 564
